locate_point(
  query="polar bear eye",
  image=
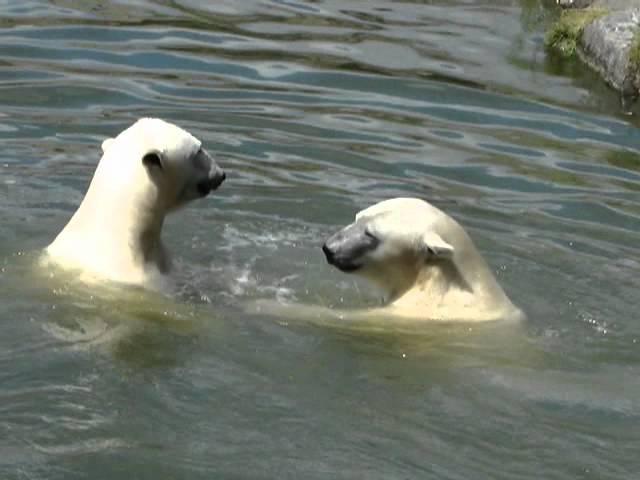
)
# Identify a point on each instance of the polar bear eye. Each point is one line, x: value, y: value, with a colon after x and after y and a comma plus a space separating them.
x: 152, y: 159
x: 369, y: 234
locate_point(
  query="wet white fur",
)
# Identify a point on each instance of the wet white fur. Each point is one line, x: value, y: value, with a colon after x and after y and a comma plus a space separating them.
x: 115, y: 233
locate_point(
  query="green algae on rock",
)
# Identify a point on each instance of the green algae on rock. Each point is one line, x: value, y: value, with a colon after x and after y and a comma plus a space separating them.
x: 564, y: 35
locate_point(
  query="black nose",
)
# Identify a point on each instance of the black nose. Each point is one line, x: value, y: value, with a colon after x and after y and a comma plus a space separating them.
x: 205, y: 186
x: 330, y: 254
x: 217, y: 179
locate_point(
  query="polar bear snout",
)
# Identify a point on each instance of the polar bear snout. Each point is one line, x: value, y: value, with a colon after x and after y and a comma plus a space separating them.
x: 215, y: 179
x: 210, y: 175
x: 346, y: 249
x: 329, y: 254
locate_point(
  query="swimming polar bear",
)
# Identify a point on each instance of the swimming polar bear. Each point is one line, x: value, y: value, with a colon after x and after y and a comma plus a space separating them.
x: 424, y: 261
x: 147, y: 171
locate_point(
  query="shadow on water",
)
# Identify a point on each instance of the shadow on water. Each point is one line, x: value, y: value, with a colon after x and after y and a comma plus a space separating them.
x: 139, y: 327
x: 440, y: 345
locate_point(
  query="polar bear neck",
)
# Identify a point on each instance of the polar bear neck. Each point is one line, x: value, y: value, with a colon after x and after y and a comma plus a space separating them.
x: 137, y: 220
x: 462, y: 286
x: 120, y: 240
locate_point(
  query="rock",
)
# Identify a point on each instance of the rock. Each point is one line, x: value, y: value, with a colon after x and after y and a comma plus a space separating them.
x: 606, y: 46
x: 608, y: 41
x: 574, y: 3
x: 614, y: 5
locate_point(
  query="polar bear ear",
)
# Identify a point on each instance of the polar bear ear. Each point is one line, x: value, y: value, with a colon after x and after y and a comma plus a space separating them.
x: 107, y: 144
x: 436, y: 246
x: 152, y: 159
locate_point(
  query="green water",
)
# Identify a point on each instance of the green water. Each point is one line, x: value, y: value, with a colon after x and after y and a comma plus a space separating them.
x: 316, y: 110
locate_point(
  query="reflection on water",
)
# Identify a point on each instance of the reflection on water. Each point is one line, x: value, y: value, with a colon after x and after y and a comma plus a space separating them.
x: 316, y: 110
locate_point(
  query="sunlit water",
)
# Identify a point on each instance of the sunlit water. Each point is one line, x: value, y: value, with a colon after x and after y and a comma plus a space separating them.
x: 315, y: 110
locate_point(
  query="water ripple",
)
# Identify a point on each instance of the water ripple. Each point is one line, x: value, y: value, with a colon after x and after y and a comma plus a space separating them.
x: 315, y: 110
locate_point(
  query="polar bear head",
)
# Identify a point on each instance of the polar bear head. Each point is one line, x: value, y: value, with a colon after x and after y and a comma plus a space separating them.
x: 422, y: 258
x: 391, y: 241
x: 167, y: 164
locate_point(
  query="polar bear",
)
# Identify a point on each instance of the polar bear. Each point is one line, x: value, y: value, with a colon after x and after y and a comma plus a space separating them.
x: 150, y: 169
x: 424, y: 261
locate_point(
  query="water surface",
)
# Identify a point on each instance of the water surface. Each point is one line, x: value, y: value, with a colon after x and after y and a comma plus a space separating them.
x: 316, y: 110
